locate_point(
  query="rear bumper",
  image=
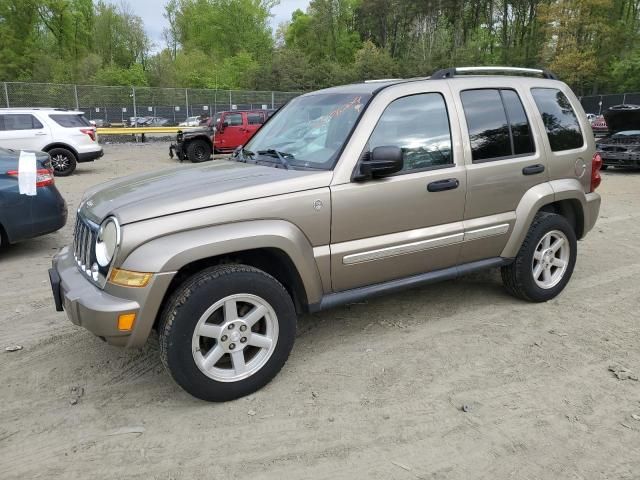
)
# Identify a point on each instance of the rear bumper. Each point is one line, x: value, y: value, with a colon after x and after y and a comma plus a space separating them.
x: 592, y: 211
x: 98, y: 310
x: 90, y: 156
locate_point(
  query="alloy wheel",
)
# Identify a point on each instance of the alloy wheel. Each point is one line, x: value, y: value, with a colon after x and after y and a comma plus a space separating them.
x: 235, y: 337
x: 550, y: 259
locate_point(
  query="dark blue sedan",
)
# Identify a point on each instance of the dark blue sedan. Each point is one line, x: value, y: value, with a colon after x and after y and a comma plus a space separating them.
x: 24, y: 216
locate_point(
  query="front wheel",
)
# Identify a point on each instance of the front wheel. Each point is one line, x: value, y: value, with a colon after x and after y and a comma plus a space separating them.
x: 227, y: 332
x: 198, y: 151
x: 545, y: 261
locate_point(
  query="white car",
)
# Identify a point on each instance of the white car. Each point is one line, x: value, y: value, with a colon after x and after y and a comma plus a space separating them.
x: 66, y: 135
x: 190, y: 122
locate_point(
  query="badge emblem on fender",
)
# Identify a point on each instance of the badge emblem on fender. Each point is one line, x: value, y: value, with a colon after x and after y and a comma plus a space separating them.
x: 317, y: 205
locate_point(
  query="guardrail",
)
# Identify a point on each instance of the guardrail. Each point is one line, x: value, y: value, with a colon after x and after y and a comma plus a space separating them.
x: 141, y: 130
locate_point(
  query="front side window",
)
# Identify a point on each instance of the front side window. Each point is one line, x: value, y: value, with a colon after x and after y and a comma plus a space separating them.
x: 497, y: 123
x: 20, y: 121
x: 233, y: 119
x: 310, y: 130
x: 419, y: 125
x: 559, y: 118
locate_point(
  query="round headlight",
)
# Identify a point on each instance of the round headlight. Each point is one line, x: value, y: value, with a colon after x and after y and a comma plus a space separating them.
x: 107, y: 241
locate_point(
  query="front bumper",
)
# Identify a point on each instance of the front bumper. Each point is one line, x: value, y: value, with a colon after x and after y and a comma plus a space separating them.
x: 98, y: 310
x: 176, y: 149
x: 620, y: 159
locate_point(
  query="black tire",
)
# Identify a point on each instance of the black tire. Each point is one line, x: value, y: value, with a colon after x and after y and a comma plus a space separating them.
x: 198, y: 151
x: 187, y: 306
x: 518, y: 277
x: 64, y: 162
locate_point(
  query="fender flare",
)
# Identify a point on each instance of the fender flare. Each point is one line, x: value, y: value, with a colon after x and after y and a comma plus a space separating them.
x: 536, y: 198
x: 172, y: 252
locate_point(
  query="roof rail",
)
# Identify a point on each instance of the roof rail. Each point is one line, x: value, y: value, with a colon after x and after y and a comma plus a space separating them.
x: 451, y: 72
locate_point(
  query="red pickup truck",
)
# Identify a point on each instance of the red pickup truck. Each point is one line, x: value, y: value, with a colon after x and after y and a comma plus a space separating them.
x: 221, y: 135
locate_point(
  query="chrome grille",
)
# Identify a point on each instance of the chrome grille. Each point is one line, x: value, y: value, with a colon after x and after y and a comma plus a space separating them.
x: 84, y: 238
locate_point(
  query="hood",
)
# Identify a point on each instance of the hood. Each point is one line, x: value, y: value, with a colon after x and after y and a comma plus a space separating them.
x: 180, y: 189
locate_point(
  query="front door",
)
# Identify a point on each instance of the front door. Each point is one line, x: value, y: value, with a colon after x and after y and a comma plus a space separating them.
x: 408, y: 223
x: 233, y: 132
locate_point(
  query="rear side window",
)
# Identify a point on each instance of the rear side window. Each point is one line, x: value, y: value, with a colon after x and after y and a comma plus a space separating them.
x: 19, y: 121
x: 559, y: 118
x: 498, y: 125
x: 419, y: 125
x: 70, y: 121
x: 255, y: 119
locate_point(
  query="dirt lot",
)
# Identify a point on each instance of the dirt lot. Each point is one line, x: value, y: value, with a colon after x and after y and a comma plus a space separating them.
x: 372, y: 390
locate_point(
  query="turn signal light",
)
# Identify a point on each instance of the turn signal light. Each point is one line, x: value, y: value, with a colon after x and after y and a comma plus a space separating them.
x: 125, y: 278
x: 89, y: 131
x: 126, y: 322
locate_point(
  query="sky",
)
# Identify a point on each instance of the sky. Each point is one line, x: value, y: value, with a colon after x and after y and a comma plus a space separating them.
x: 151, y: 13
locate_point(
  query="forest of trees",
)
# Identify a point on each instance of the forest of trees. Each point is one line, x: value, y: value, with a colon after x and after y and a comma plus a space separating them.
x: 593, y: 45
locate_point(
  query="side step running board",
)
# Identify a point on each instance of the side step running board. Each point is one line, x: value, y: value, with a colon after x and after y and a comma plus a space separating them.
x: 357, y: 294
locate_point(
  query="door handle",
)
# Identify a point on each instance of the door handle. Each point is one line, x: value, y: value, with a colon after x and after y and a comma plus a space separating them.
x: 40, y: 134
x: 442, y: 185
x: 533, y: 169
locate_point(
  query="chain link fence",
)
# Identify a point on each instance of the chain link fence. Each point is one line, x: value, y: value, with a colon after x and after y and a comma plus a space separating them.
x: 116, y: 105
x: 599, y: 104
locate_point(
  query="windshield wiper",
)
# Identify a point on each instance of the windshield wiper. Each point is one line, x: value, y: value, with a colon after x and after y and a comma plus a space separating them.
x: 242, y: 153
x: 278, y: 155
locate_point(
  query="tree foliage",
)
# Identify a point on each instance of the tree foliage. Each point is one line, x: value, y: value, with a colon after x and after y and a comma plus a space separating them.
x: 591, y: 44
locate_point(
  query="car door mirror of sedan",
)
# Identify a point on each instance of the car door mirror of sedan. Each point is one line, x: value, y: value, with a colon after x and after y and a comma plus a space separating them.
x: 381, y: 162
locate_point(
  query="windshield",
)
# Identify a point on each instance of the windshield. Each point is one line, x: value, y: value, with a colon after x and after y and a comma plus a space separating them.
x: 310, y: 130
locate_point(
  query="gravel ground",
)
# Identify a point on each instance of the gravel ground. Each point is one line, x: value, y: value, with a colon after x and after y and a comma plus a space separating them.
x: 373, y: 390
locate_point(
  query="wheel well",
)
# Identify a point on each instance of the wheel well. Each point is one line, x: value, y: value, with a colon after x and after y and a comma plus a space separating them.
x: 199, y: 137
x: 273, y: 261
x: 48, y: 148
x: 571, y: 210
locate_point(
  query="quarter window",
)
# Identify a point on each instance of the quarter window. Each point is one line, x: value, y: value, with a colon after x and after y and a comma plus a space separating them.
x: 497, y: 123
x: 19, y: 121
x: 419, y: 125
x: 559, y: 118
x: 70, y: 120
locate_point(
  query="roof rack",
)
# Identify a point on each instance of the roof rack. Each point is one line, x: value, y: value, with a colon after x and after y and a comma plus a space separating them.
x: 452, y: 72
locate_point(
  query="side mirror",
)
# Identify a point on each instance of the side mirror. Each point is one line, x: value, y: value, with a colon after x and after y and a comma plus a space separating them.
x: 381, y: 162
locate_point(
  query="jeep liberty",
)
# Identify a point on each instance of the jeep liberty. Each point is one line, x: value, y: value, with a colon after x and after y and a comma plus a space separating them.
x: 343, y: 194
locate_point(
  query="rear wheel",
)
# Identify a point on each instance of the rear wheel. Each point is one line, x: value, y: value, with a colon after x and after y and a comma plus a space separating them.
x: 227, y: 332
x: 198, y: 151
x: 545, y: 261
x: 63, y: 162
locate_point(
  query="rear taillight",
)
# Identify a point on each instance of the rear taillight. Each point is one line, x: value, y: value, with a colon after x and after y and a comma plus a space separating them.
x: 44, y: 177
x: 596, y: 165
x: 89, y: 131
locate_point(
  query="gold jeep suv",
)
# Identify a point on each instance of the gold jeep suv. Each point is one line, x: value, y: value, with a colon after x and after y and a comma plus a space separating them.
x: 343, y: 194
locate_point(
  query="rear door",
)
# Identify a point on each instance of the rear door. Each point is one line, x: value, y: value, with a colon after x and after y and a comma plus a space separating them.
x: 254, y: 122
x: 504, y: 160
x: 22, y: 131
